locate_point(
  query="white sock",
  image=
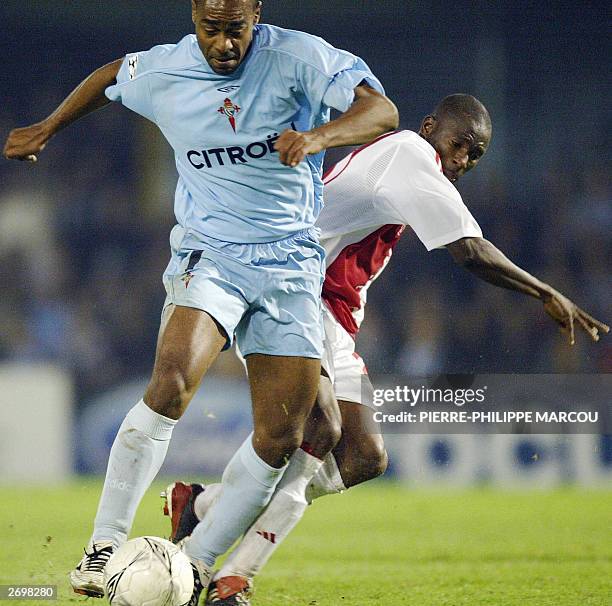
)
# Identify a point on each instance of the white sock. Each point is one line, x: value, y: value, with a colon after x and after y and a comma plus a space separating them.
x: 248, y: 484
x: 137, y: 454
x: 206, y: 499
x: 284, y: 511
x: 326, y: 481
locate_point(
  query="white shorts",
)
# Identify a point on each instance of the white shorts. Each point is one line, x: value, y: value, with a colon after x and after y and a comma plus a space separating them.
x: 346, y: 369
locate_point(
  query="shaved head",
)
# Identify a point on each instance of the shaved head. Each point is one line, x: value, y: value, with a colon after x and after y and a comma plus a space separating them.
x: 463, y: 109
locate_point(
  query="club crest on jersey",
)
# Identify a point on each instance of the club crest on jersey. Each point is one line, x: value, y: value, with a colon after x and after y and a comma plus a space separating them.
x: 229, y: 109
x: 186, y: 277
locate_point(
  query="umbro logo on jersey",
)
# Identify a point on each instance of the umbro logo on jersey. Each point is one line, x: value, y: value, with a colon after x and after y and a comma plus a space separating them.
x: 269, y: 536
x: 229, y: 109
x: 228, y: 89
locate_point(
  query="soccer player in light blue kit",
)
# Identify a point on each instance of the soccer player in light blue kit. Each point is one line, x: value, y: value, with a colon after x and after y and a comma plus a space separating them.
x: 246, y: 109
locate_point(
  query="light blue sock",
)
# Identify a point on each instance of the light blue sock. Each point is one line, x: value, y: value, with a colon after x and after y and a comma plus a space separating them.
x: 247, y: 486
x: 135, y: 458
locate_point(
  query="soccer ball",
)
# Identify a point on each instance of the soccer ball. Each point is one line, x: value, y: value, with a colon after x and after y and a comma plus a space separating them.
x: 148, y: 571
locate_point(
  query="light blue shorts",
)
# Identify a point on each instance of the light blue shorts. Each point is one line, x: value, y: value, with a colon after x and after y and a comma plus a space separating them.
x: 268, y: 295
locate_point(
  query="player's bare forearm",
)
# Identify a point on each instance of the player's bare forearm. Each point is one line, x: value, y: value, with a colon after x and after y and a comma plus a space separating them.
x: 370, y: 115
x: 86, y: 97
x: 488, y: 263
x: 26, y: 143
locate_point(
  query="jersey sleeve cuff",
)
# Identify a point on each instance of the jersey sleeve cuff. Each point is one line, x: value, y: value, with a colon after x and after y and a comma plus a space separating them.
x: 113, y: 93
x: 453, y: 236
x: 341, y: 92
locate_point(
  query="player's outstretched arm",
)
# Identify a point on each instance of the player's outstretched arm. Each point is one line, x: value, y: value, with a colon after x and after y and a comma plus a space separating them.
x: 370, y: 115
x: 26, y: 143
x: 487, y: 262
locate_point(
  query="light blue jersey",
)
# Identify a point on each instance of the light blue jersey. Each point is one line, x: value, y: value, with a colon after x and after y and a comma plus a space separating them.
x: 232, y: 186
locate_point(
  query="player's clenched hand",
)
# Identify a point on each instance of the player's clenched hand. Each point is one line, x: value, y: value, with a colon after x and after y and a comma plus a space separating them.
x: 293, y: 146
x: 566, y: 313
x: 26, y: 143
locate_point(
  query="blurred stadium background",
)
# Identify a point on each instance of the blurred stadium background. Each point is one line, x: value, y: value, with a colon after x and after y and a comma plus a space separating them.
x: 83, y: 234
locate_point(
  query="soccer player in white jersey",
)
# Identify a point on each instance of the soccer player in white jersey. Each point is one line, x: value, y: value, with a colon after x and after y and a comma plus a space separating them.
x: 246, y: 108
x: 402, y: 179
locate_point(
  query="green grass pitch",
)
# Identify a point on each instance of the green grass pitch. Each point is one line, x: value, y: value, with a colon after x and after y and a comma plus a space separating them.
x: 375, y: 545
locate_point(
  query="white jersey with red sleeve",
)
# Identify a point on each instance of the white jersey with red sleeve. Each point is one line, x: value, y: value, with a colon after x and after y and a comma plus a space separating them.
x: 370, y: 196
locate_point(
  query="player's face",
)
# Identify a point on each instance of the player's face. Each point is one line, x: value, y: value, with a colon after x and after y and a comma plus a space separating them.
x: 460, y: 145
x: 224, y: 29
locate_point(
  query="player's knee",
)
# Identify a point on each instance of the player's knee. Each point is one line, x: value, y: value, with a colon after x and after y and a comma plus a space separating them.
x: 280, y: 442
x: 368, y: 460
x: 324, y: 425
x: 375, y: 459
x: 332, y: 432
x: 290, y: 441
x: 322, y: 434
x: 380, y: 463
x: 169, y: 391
